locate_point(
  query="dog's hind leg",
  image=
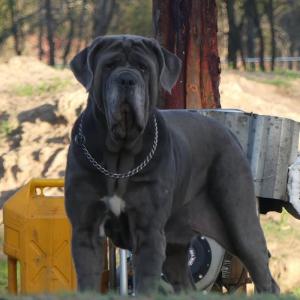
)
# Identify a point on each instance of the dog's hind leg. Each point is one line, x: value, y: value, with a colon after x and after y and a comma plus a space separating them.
x: 232, y: 192
x: 176, y: 270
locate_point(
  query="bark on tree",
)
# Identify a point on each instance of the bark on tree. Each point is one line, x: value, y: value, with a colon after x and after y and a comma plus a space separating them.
x: 50, y: 31
x: 188, y: 28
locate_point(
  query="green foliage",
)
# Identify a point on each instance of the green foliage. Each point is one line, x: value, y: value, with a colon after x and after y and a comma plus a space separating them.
x: 132, y: 17
x: 44, y: 87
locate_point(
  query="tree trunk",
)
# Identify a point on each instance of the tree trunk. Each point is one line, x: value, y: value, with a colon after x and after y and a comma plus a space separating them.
x: 103, y: 10
x: 188, y: 28
x: 50, y: 33
x: 270, y: 14
x: 70, y: 34
x: 256, y: 19
x: 14, y: 26
x: 298, y: 63
x: 41, y: 25
x: 233, y: 35
x: 250, y: 35
x: 81, y: 25
x: 291, y: 54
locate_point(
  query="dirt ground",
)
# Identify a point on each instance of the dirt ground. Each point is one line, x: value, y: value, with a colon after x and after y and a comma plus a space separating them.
x: 39, y: 104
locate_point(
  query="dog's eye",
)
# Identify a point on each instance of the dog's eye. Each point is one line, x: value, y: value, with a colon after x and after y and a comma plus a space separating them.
x: 142, y: 67
x: 109, y: 66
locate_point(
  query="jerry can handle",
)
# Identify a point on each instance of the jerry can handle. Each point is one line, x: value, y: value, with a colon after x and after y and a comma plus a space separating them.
x: 43, y: 182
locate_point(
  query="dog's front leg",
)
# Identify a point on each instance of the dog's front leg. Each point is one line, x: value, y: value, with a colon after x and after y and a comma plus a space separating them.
x: 148, y: 259
x: 86, y: 214
x: 87, y: 249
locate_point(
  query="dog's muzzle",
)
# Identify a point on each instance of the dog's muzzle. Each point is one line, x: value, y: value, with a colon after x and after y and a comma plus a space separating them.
x: 125, y: 104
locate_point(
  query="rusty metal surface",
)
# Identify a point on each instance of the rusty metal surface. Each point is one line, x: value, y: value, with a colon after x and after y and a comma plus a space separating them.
x: 271, y: 145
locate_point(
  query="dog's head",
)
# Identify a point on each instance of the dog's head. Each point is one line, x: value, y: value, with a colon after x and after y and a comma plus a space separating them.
x: 123, y: 75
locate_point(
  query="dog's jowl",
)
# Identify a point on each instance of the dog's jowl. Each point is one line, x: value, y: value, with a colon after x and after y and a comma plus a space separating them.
x: 150, y: 179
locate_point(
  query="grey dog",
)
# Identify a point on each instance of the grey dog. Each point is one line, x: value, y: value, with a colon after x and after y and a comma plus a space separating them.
x: 152, y: 179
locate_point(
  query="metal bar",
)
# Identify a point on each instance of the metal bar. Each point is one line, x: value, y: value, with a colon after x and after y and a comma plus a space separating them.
x: 123, y: 273
x: 282, y: 59
x: 112, y: 266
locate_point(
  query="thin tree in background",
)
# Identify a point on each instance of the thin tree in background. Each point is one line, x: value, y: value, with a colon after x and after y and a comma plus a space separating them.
x: 234, y: 36
x: 290, y: 22
x: 253, y: 13
x: 50, y: 31
x: 102, y: 14
x: 41, y: 31
x: 15, y: 26
x: 250, y: 36
x: 81, y: 24
x: 70, y: 35
x: 269, y: 7
x: 189, y: 29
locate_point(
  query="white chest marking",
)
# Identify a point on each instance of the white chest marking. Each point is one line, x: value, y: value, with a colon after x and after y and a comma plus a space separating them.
x: 115, y: 204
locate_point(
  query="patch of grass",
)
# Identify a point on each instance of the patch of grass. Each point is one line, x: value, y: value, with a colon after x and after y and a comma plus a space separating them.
x: 5, y: 128
x: 192, y: 296
x: 44, y: 87
x: 280, y: 229
x: 279, y: 82
x: 290, y: 74
x: 296, y: 292
x: 280, y: 78
x: 3, y: 276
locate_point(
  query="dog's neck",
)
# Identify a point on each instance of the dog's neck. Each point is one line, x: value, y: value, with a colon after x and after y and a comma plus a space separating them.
x: 115, y: 157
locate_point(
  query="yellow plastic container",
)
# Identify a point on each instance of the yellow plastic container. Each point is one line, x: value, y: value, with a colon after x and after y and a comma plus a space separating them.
x: 37, y: 234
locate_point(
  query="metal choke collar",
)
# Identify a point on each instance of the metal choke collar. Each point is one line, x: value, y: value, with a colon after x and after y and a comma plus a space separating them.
x: 81, y: 140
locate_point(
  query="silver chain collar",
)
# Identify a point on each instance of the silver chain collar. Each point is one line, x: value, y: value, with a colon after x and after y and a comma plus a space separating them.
x: 80, y: 140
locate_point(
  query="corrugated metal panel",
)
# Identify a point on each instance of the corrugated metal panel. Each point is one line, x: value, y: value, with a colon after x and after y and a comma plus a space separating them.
x: 271, y: 144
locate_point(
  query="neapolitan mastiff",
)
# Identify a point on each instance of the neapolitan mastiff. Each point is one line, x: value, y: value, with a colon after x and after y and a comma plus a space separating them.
x: 152, y: 179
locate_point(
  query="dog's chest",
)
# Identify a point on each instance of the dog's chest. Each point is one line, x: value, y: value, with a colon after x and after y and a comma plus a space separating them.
x: 114, y: 204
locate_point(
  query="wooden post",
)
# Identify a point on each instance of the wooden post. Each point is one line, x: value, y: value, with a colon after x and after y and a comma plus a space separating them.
x: 188, y: 28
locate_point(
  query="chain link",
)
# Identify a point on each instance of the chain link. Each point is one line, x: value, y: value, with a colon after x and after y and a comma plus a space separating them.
x: 81, y: 138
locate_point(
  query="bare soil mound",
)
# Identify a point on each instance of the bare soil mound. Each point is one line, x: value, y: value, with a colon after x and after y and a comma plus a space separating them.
x: 248, y: 92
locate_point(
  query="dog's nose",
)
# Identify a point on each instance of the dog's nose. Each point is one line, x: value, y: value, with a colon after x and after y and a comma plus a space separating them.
x: 126, y: 80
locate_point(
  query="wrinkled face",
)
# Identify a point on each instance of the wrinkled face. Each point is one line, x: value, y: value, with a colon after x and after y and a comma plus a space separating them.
x: 126, y: 86
x: 123, y: 75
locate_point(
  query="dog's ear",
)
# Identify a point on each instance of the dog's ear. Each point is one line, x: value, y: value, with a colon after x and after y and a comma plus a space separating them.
x: 80, y: 68
x: 82, y: 64
x: 170, y: 70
